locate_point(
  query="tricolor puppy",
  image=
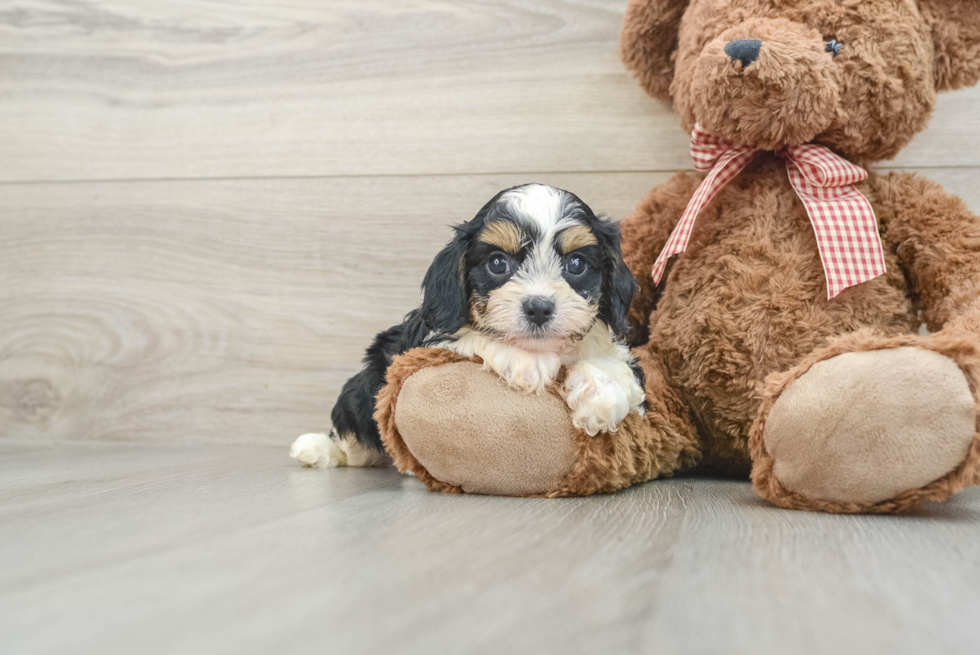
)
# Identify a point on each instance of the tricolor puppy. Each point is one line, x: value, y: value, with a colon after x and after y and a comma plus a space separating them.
x: 534, y: 282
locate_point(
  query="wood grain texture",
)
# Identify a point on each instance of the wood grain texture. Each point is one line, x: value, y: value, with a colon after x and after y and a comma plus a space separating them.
x: 276, y: 179
x: 153, y: 548
x: 125, y: 89
x: 225, y: 310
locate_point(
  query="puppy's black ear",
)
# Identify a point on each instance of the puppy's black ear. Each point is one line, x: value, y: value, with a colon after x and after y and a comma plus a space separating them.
x: 618, y: 283
x: 445, y: 291
x: 445, y: 302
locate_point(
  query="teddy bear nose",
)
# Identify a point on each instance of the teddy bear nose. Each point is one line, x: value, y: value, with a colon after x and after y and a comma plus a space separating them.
x: 744, y: 50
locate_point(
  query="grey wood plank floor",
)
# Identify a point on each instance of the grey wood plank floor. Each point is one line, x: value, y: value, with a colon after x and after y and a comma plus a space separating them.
x: 204, y: 548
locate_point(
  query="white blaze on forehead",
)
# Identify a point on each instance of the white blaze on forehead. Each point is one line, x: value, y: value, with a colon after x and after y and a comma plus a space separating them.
x: 535, y: 204
x: 542, y: 208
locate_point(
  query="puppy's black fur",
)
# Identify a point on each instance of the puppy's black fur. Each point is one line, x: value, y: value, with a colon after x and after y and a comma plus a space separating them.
x: 354, y: 411
x: 446, y: 291
x: 619, y: 285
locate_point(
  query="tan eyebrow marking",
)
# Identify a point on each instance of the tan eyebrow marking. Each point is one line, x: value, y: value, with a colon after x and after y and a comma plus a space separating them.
x: 503, y: 234
x: 574, y: 238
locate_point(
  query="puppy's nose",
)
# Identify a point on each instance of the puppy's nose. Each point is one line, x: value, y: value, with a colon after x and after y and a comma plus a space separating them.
x: 538, y: 310
x: 744, y: 50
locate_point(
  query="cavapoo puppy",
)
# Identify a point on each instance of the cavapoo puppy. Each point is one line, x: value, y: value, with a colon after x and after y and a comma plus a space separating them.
x: 534, y: 282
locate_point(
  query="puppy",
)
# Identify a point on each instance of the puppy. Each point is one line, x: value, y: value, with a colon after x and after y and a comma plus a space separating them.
x: 534, y: 282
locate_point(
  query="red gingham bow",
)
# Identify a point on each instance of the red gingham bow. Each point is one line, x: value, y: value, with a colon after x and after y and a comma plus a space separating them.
x: 843, y: 219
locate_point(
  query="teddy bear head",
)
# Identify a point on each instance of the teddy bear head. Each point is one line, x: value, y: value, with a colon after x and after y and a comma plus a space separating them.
x: 858, y: 76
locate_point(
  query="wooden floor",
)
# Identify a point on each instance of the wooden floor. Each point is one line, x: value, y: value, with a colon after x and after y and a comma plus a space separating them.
x: 163, y: 548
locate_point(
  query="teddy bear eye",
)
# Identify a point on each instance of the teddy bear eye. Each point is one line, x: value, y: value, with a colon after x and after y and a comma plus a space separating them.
x: 833, y: 46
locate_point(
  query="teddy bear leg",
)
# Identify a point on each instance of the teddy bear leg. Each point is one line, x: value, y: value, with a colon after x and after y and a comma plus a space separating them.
x: 653, y: 445
x: 871, y: 424
x: 459, y: 429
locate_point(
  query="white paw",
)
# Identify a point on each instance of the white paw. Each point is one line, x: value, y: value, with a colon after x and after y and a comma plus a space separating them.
x: 598, y: 402
x: 530, y: 372
x: 317, y: 450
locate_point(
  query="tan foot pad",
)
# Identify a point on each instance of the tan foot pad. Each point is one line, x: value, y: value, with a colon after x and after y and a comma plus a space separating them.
x: 468, y: 429
x: 863, y: 427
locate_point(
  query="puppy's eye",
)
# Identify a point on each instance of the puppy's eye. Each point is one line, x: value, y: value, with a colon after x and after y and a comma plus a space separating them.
x: 575, y: 266
x: 498, y: 265
x: 833, y: 46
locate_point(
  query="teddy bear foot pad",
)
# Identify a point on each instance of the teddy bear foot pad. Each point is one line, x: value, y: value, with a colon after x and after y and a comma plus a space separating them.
x: 860, y: 429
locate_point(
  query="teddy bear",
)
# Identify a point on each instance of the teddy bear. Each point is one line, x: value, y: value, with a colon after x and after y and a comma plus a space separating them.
x: 782, y: 286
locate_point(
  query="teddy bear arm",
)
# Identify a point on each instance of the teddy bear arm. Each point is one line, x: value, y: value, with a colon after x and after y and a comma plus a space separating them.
x: 937, y: 239
x: 645, y: 233
x: 955, y: 26
x: 648, y: 40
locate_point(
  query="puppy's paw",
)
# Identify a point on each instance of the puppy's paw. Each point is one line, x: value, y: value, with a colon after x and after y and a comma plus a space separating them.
x: 317, y: 450
x: 530, y: 372
x: 598, y: 402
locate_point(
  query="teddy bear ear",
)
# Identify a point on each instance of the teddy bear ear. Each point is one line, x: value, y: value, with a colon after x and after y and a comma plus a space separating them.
x: 649, y: 41
x: 955, y: 28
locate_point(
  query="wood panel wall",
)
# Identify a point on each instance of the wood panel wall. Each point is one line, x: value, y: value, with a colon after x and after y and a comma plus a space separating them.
x: 208, y: 207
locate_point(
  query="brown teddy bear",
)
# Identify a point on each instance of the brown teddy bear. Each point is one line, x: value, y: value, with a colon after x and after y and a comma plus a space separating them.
x: 781, y: 289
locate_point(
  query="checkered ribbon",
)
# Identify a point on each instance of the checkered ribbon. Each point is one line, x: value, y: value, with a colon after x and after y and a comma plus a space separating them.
x: 843, y: 219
